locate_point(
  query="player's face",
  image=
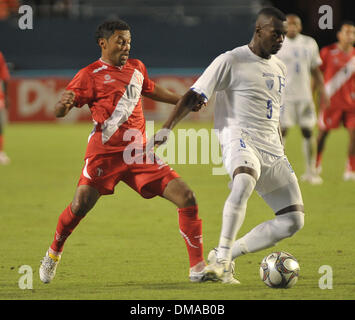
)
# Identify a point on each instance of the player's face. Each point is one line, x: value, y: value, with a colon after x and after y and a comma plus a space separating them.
x: 294, y: 26
x: 272, y: 35
x: 118, y: 46
x: 346, y: 35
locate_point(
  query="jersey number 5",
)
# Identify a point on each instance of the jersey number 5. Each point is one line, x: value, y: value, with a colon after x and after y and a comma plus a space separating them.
x: 269, y: 109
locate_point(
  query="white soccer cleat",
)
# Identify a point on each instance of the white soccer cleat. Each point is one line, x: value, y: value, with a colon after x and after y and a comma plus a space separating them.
x: 349, y: 176
x: 314, y: 179
x: 197, y: 276
x: 4, y: 159
x: 227, y: 276
x: 48, y: 267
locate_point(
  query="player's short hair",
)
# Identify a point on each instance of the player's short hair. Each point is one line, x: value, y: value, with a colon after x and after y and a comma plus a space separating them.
x: 345, y: 23
x: 108, y: 28
x: 272, y: 12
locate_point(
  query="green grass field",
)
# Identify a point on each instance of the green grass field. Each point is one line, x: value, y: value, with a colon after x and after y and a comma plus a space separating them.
x: 130, y: 248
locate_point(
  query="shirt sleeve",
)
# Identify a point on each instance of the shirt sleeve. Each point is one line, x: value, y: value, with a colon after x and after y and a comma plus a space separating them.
x: 83, y: 87
x: 148, y: 84
x: 4, y: 71
x: 316, y: 60
x: 215, y: 78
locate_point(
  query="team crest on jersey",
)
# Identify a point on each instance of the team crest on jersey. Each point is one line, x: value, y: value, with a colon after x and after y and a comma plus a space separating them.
x: 269, y: 83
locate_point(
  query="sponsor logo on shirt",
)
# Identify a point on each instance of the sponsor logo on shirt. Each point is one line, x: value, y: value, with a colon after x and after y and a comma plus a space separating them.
x: 108, y: 79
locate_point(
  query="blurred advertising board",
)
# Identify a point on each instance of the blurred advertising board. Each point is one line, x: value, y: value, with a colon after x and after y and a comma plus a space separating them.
x: 33, y: 99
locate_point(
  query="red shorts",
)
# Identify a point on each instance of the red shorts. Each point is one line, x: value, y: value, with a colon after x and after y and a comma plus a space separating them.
x: 104, y: 172
x: 331, y: 118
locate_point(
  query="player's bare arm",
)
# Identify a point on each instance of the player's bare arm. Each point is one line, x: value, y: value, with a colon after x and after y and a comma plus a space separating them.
x: 189, y: 102
x: 319, y: 85
x: 65, y: 104
x: 163, y: 95
x: 167, y: 96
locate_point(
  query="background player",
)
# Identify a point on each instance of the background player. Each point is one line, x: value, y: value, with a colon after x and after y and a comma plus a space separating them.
x: 4, y: 78
x: 339, y: 75
x: 249, y: 83
x: 112, y: 87
x: 300, y: 54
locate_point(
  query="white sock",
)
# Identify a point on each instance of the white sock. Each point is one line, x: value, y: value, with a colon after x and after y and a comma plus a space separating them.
x: 308, y: 147
x: 234, y: 213
x: 268, y: 233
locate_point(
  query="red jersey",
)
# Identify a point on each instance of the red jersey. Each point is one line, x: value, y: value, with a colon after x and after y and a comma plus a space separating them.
x: 113, y: 95
x: 339, y: 76
x: 4, y: 76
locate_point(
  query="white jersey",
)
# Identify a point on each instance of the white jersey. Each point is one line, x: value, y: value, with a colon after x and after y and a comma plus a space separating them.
x: 300, y: 56
x: 248, y: 96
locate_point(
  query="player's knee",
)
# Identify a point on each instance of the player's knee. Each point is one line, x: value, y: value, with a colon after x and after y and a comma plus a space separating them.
x: 81, y: 206
x: 307, y: 133
x: 188, y: 198
x: 296, y: 220
x: 242, y: 188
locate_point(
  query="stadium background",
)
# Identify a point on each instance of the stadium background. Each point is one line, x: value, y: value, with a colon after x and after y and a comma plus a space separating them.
x: 176, y: 40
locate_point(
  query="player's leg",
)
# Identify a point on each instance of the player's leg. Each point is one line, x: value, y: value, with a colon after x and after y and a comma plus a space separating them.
x: 328, y: 119
x: 286, y: 202
x: 287, y: 222
x: 221, y: 266
x: 307, y: 119
x: 321, y: 139
x: 84, y: 199
x: 309, y: 147
x: 98, y: 177
x: 288, y: 118
x: 242, y: 162
x: 4, y: 159
x: 190, y: 225
x: 158, y: 179
x: 349, y: 173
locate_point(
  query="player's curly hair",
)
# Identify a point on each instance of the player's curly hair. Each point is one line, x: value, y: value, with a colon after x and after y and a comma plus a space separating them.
x: 108, y: 28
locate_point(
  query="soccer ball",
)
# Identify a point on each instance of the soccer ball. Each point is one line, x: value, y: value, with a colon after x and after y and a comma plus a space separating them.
x: 279, y: 270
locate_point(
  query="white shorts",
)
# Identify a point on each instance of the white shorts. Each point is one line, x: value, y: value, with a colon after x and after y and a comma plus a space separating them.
x: 276, y: 182
x: 300, y: 113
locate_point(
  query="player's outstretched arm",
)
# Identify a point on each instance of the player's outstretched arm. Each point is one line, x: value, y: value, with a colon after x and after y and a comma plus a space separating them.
x: 163, y: 95
x: 64, y: 105
x: 189, y: 101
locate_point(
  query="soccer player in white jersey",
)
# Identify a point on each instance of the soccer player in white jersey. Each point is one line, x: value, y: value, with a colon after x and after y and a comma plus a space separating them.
x: 300, y: 54
x: 249, y: 82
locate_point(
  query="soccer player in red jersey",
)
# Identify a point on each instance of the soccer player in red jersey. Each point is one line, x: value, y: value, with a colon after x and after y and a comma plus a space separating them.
x: 339, y: 76
x: 112, y: 87
x: 4, y: 78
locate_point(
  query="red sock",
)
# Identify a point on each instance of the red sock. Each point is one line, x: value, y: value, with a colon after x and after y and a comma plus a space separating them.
x: 1, y: 142
x: 191, y: 230
x: 318, y: 159
x: 351, y: 163
x: 66, y: 224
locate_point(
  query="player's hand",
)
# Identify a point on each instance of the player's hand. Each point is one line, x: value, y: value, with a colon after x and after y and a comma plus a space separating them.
x: 65, y: 103
x: 199, y: 106
x: 68, y: 98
